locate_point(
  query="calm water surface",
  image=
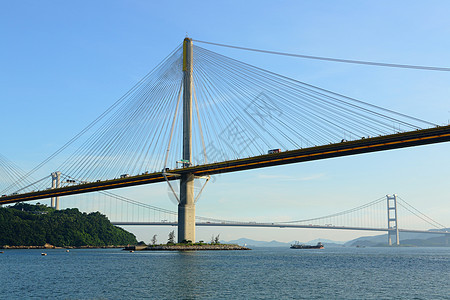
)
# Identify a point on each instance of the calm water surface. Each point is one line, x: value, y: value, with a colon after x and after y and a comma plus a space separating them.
x: 263, y: 273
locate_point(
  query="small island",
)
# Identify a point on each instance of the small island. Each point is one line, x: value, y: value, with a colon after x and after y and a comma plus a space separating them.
x: 184, y: 246
x: 39, y: 226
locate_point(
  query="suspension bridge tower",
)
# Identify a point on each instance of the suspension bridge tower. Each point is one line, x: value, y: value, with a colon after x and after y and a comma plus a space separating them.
x: 56, y: 183
x: 392, y: 219
x: 186, y: 207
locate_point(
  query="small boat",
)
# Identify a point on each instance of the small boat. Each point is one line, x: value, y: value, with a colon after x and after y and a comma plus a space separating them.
x: 67, y: 250
x: 131, y: 251
x: 303, y: 246
x: 2, y: 251
x: 43, y: 254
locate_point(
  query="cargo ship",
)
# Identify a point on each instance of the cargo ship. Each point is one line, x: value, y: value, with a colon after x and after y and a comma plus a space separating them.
x: 303, y: 246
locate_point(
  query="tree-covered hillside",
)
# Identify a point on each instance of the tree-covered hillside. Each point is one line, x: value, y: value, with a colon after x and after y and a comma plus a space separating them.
x: 35, y: 225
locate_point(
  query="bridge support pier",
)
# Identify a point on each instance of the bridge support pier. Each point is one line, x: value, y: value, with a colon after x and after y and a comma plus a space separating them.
x: 392, y: 219
x: 186, y: 207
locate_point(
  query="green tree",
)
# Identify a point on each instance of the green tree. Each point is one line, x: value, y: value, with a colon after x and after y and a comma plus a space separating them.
x: 34, y: 225
x: 171, y: 237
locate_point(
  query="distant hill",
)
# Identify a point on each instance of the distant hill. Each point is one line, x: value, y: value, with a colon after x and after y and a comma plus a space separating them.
x: 406, y: 239
x: 35, y: 225
x: 326, y: 242
x: 253, y: 243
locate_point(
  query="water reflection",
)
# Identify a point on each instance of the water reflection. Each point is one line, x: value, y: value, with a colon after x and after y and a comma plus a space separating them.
x: 187, y: 279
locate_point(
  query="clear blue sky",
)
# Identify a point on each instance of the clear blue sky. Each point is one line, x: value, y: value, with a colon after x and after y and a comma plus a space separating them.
x: 63, y: 63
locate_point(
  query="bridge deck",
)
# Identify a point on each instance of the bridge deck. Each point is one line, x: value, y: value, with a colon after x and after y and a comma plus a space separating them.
x: 274, y: 225
x: 395, y: 141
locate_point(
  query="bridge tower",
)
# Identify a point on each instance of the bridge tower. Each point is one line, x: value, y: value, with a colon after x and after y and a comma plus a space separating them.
x: 392, y: 219
x: 56, y: 183
x: 186, y: 207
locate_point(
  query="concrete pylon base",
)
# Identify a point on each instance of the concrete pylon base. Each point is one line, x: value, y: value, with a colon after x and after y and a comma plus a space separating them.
x: 186, y: 223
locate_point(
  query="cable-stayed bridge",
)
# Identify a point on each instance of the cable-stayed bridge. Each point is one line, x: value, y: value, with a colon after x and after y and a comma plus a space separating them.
x: 199, y: 113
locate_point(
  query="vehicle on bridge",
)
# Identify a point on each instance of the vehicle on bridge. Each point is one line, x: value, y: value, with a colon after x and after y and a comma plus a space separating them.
x: 274, y: 151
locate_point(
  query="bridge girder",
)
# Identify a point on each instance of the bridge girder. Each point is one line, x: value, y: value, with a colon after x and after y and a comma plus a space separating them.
x: 438, y: 134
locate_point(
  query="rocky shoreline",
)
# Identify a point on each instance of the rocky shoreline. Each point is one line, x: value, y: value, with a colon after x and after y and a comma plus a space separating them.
x: 48, y: 246
x: 185, y: 247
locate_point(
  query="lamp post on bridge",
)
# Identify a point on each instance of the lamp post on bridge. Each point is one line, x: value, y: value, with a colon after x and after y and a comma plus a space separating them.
x: 186, y: 207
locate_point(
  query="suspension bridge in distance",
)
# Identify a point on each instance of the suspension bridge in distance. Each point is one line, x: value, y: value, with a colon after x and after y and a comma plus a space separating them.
x: 287, y: 226
x: 370, y: 217
x: 373, y: 213
x: 245, y: 111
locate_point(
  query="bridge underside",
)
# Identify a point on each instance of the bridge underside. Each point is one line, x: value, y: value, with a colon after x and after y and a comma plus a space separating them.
x: 382, y: 143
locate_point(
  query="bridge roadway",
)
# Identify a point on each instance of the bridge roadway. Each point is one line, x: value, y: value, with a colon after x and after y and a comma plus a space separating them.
x: 268, y: 225
x: 437, y: 134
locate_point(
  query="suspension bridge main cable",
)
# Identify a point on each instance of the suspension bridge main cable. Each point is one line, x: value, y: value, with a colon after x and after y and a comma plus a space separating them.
x: 339, y: 213
x: 137, y: 203
x: 351, y: 61
x: 412, y: 209
x: 420, y: 215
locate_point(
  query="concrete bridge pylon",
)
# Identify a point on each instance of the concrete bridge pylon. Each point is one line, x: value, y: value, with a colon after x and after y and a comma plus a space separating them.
x: 186, y: 206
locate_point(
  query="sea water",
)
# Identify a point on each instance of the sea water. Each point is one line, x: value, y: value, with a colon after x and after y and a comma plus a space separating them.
x: 263, y: 273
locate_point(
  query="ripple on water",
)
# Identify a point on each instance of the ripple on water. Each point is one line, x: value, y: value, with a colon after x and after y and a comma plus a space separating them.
x: 264, y: 273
